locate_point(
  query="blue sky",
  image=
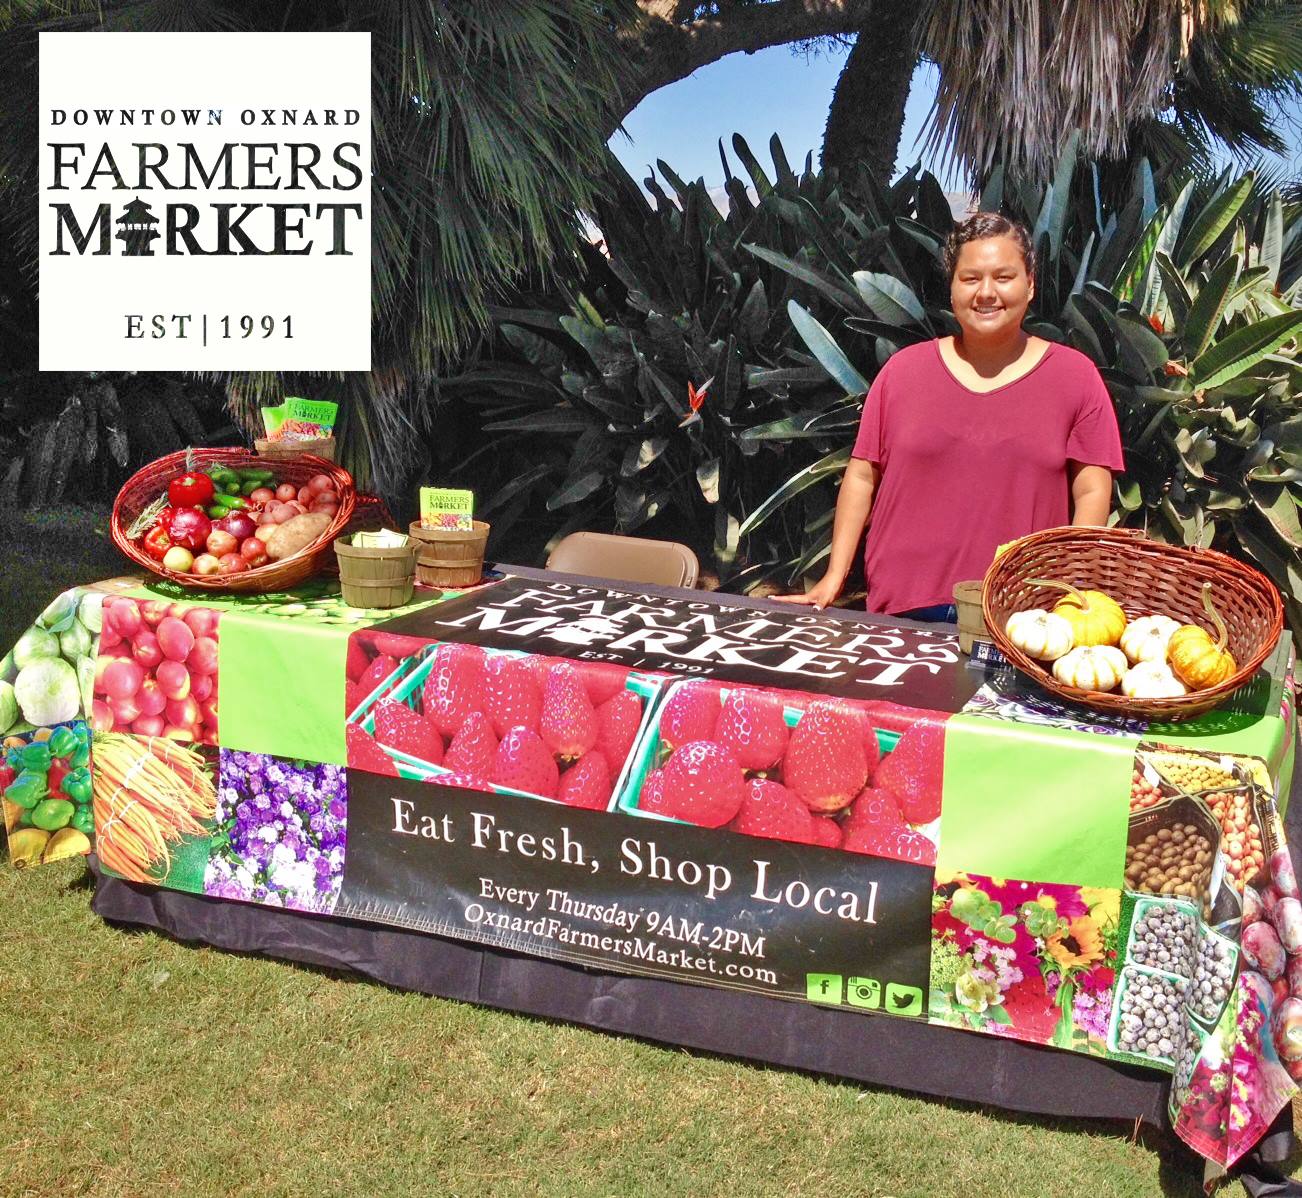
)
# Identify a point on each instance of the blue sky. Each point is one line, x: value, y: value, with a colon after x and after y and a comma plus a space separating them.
x: 757, y: 95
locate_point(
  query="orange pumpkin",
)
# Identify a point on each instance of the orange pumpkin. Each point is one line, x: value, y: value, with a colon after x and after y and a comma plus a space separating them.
x: 1095, y: 618
x: 1198, y: 661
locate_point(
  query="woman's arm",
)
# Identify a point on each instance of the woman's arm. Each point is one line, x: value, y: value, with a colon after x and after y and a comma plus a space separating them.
x: 853, y: 505
x: 1091, y: 494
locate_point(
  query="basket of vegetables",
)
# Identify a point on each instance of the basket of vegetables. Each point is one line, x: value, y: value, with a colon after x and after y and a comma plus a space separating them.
x: 227, y: 520
x: 1112, y: 620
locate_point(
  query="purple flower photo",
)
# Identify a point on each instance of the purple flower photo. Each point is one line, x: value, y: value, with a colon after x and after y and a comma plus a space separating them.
x: 281, y: 832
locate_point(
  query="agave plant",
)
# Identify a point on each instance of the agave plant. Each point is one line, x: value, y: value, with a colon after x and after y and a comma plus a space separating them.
x: 1190, y: 310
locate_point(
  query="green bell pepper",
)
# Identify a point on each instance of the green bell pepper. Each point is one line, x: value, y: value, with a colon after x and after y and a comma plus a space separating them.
x: 53, y: 814
x: 27, y: 789
x: 36, y: 756
x: 83, y: 819
x: 62, y: 742
x: 77, y: 786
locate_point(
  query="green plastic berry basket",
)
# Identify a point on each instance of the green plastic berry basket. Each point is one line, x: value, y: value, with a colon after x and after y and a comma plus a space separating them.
x: 411, y: 675
x: 1134, y: 975
x: 647, y: 751
x: 1144, y: 903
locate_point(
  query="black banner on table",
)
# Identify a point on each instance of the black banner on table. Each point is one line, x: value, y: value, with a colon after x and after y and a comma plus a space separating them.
x: 733, y: 642
x: 639, y: 896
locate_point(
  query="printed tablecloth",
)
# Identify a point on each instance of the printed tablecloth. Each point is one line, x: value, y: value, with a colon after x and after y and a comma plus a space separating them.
x: 832, y: 811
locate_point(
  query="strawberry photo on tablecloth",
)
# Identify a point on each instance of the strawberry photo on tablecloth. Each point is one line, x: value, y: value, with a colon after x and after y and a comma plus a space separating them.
x: 842, y: 773
x: 492, y: 720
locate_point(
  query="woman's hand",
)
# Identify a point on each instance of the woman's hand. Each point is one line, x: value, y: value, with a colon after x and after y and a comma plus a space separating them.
x: 822, y: 594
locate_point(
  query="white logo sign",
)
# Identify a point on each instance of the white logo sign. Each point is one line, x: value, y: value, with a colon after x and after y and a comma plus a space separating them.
x: 205, y: 201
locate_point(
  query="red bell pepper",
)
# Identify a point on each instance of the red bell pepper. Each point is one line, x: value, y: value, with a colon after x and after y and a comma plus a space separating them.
x: 192, y: 489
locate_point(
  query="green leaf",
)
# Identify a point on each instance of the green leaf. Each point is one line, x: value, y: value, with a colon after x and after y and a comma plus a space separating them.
x: 558, y: 420
x: 1173, y: 286
x: 832, y: 464
x: 889, y: 299
x: 757, y: 176
x: 823, y: 346
x: 1205, y: 315
x: 1243, y: 349
x: 1151, y: 288
x: 707, y: 478
x: 603, y: 346
x: 840, y: 296
x: 1129, y: 495
x: 580, y: 488
x: 1272, y: 237
x: 1141, y: 343
x: 1216, y: 216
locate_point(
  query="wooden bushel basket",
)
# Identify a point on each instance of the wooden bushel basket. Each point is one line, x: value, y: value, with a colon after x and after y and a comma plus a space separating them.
x: 449, y: 558
x: 376, y: 577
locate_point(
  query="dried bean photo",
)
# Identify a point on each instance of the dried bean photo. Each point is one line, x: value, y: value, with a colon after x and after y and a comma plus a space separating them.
x: 1150, y: 1017
x: 1213, y: 976
x: 1164, y: 938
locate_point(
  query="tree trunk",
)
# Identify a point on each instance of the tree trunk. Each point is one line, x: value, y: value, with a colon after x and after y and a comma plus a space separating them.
x: 867, y: 113
x: 669, y: 43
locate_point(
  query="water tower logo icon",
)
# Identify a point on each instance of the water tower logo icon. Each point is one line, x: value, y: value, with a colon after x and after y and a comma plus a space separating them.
x: 137, y: 229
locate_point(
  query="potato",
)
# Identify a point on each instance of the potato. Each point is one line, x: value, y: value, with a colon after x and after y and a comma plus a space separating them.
x: 295, y: 535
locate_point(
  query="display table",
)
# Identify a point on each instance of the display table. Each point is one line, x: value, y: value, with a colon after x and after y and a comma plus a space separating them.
x: 979, y: 859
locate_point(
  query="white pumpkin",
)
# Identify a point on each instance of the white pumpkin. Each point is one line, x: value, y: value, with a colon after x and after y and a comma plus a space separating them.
x: 1151, y: 680
x: 1146, y: 639
x: 1039, y: 634
x: 1091, y: 667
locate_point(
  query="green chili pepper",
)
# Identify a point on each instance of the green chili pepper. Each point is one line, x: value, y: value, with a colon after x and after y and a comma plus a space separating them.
x: 53, y: 814
x: 76, y: 785
x: 235, y: 504
x: 231, y: 486
x: 83, y: 819
x: 62, y: 742
x: 36, y: 756
x: 216, y: 511
x: 249, y: 486
x: 27, y: 789
x: 258, y: 472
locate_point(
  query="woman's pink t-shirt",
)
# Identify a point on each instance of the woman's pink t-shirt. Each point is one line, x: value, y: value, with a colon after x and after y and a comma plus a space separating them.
x: 964, y: 471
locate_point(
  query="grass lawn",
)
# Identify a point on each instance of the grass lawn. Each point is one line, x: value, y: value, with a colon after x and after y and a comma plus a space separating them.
x: 139, y: 1066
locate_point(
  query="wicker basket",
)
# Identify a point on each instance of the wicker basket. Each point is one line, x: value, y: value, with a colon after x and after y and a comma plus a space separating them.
x: 147, y: 484
x: 1145, y: 577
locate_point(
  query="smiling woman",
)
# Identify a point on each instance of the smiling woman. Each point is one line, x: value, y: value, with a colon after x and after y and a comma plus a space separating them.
x: 970, y: 441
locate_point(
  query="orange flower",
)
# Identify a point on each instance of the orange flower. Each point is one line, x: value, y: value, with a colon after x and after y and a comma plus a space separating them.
x: 696, y: 398
x: 1156, y: 322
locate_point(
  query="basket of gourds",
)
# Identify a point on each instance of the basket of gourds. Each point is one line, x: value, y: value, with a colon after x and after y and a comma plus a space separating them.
x: 1109, y: 619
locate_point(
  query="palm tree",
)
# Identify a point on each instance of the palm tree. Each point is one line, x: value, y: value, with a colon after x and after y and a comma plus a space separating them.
x: 488, y: 139
x: 1016, y: 79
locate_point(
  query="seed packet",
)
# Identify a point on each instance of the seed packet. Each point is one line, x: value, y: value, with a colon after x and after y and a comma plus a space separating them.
x: 447, y: 509
x: 384, y: 538
x: 300, y: 419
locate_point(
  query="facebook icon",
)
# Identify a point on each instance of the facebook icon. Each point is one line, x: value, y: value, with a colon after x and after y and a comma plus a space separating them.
x: 823, y: 987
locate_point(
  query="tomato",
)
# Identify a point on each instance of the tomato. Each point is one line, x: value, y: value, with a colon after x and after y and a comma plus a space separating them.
x: 156, y: 543
x: 190, y: 490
